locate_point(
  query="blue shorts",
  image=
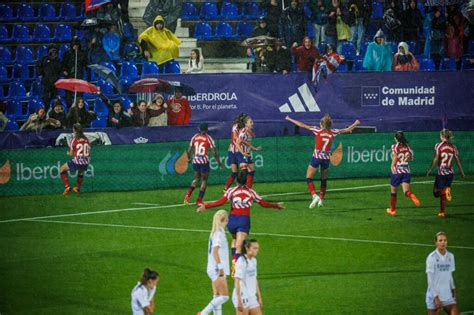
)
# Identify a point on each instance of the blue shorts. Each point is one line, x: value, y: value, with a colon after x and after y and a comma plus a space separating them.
x: 201, y: 168
x: 398, y: 179
x: 232, y: 158
x: 315, y: 162
x: 242, y: 159
x: 443, y: 181
x: 238, y: 223
x: 77, y: 167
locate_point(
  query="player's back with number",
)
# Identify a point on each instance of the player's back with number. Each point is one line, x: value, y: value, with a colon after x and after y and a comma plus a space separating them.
x: 201, y: 142
x: 82, y: 150
x: 241, y: 199
x: 446, y: 152
x: 403, y: 154
x: 323, y: 143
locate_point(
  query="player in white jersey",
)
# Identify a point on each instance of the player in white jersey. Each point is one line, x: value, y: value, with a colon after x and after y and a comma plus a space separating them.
x: 218, y: 264
x: 441, y: 293
x: 246, y: 297
x: 143, y: 293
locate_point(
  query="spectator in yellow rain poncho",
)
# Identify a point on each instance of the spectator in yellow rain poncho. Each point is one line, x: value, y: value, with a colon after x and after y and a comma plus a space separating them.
x: 158, y: 43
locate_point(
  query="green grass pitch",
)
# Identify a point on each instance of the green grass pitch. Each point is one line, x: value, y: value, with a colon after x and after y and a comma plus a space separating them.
x: 349, y: 257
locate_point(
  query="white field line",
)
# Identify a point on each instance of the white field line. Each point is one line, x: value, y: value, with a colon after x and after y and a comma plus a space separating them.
x: 144, y: 204
x: 310, y: 237
x: 181, y: 205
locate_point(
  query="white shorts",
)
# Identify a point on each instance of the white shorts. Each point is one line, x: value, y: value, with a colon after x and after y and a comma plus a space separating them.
x: 249, y: 302
x: 213, y: 274
x: 431, y: 305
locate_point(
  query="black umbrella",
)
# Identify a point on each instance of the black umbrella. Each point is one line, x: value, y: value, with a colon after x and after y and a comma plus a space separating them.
x: 187, y: 90
x: 107, y: 75
x: 259, y: 41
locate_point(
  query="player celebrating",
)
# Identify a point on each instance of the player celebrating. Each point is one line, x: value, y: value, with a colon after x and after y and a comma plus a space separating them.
x: 401, y: 155
x: 443, y: 155
x: 247, y: 297
x: 324, y: 136
x: 201, y: 142
x: 239, y: 123
x: 441, y: 293
x: 79, y: 148
x: 218, y: 264
x: 244, y: 147
x: 241, y: 198
x: 143, y: 293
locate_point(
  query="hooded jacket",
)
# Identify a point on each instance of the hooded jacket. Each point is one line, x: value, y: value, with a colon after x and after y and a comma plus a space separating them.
x: 406, y: 61
x: 163, y: 45
x: 378, y: 57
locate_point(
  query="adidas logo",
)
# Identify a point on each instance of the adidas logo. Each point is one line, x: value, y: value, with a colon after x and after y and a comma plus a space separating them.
x: 296, y: 104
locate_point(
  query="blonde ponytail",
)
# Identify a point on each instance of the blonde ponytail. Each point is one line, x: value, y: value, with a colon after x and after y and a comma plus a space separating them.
x: 218, y: 221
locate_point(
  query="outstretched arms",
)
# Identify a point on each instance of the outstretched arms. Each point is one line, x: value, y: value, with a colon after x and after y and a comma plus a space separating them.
x: 298, y: 123
x: 350, y: 128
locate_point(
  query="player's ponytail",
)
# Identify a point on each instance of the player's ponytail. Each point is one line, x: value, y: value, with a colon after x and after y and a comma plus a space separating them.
x: 78, y: 131
x: 447, y: 134
x: 242, y: 178
x: 218, y: 221
x: 326, y: 122
x: 147, y: 275
x: 400, y: 137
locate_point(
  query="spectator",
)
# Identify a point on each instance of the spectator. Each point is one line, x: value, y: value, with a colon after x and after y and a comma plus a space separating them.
x: 196, y: 62
x: 49, y: 70
x: 412, y: 22
x: 331, y: 29
x: 141, y: 114
x: 95, y: 50
x: 292, y: 23
x: 305, y: 54
x: 123, y: 10
x: 38, y: 121
x: 73, y: 65
x: 392, y: 23
x: 279, y: 59
x: 454, y: 33
x: 78, y: 114
x: 342, y: 28
x: 326, y: 64
x: 438, y: 30
x: 118, y: 117
x: 359, y: 19
x: 404, y: 60
x: 379, y: 54
x: 318, y: 14
x: 261, y: 61
x: 262, y: 28
x: 57, y: 113
x: 273, y: 8
x: 111, y: 43
x: 179, y: 110
x: 158, y: 43
x: 156, y: 104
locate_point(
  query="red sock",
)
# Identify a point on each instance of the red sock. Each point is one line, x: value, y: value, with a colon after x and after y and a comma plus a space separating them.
x: 190, y: 191
x: 80, y: 179
x: 442, y: 202
x: 65, y: 179
x: 323, y: 188
x: 311, y: 188
x: 409, y: 194
x: 250, y: 179
x: 393, y: 201
x: 230, y: 180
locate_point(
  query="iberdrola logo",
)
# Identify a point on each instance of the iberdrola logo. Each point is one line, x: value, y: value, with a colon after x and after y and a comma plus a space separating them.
x: 5, y: 173
x: 173, y: 164
x: 336, y: 156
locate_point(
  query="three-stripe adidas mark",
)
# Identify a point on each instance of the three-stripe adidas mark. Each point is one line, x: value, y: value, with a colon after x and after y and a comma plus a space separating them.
x: 297, y: 105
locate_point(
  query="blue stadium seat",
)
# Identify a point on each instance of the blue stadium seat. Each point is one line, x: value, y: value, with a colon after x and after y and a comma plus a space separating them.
x: 309, y: 29
x: 21, y: 33
x: 41, y: 33
x: 307, y: 11
x: 105, y: 87
x: 14, y: 109
x: 63, y: 33
x: 322, y: 47
x: 229, y: 11
x: 12, y: 125
x: 349, y: 50
x: 25, y: 12
x: 125, y: 83
x: 224, y: 30
x: 363, y: 48
x: 62, y: 49
x: 100, y: 108
x: 172, y: 67
x: 150, y: 67
x: 41, y: 51
x: 6, y: 13
x: 34, y: 104
x: 3, y: 74
x: 5, y: 55
x: 377, y: 10
x: 24, y: 55
x: 466, y: 64
x: 209, y: 11
x: 22, y: 72
x: 447, y: 64
x: 250, y: 10
x: 129, y: 70
x: 358, y: 65
x: 427, y: 64
x: 129, y: 48
x: 189, y: 11
x: 47, y: 12
x: 471, y: 47
x: 412, y: 46
x: 126, y: 102
x: 68, y: 11
x: 129, y: 32
x: 109, y: 65
x: 100, y: 122
x: 342, y: 68
x: 4, y: 37
x: 203, y: 30
x: 244, y: 29
x: 16, y: 89
x: 394, y: 47
x: 36, y: 89
x: 421, y: 7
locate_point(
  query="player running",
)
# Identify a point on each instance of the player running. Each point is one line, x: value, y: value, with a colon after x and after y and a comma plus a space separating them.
x: 239, y: 123
x: 443, y: 155
x: 247, y: 297
x: 143, y: 293
x: 244, y: 146
x: 400, y: 175
x: 80, y: 148
x: 241, y: 198
x: 218, y: 264
x: 441, y: 293
x: 201, y: 142
x: 324, y: 136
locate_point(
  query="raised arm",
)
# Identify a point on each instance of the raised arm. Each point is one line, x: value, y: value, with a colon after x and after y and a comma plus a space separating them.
x: 350, y: 128
x: 298, y: 123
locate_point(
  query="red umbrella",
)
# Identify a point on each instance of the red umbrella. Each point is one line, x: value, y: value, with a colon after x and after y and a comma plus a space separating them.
x: 149, y: 85
x: 76, y: 85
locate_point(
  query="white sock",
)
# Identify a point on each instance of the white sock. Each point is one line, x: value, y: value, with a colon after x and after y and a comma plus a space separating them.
x: 215, y: 305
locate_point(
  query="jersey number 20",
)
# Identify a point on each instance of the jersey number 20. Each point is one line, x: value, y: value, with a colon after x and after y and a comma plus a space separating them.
x: 83, y: 149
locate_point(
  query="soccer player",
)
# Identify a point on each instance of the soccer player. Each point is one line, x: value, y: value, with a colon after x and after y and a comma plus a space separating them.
x: 241, y: 198
x: 239, y: 123
x: 244, y: 147
x: 441, y: 293
x: 444, y: 154
x: 80, y: 149
x: 218, y: 264
x: 143, y: 293
x: 201, y: 142
x: 247, y: 297
x: 324, y: 136
x: 401, y: 155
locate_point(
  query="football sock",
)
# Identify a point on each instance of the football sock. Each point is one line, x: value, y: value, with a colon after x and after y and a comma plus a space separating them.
x: 201, y: 194
x: 393, y: 201
x: 324, y: 183
x: 230, y: 179
x: 408, y: 194
x: 237, y: 255
x: 65, y: 178
x: 232, y: 251
x: 311, y: 188
x: 442, y: 202
x: 250, y: 179
x: 80, y: 179
x: 190, y: 191
x: 215, y: 304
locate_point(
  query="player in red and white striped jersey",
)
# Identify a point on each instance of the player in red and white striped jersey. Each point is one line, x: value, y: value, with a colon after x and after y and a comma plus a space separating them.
x: 324, y: 136
x: 80, y: 149
x: 444, y: 154
x: 245, y: 147
x: 400, y: 175
x: 201, y: 143
x: 239, y: 123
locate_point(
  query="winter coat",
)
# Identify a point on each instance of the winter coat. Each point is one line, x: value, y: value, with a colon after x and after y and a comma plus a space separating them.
x: 412, y: 19
x: 50, y: 69
x: 359, y: 9
x: 331, y: 29
x: 259, y: 31
x: 273, y: 17
x: 81, y: 116
x: 61, y: 117
x: 34, y: 123
x: 179, y: 111
x: 292, y: 25
x: 318, y: 13
x: 280, y: 60
x: 305, y: 57
x: 118, y: 120
x: 142, y: 119
x: 69, y: 61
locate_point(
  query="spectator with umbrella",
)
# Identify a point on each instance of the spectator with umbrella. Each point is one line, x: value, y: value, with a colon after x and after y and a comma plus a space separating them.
x: 158, y: 103
x: 118, y: 116
x: 73, y: 64
x: 142, y: 114
x: 49, y: 70
x: 78, y: 114
x: 179, y: 110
